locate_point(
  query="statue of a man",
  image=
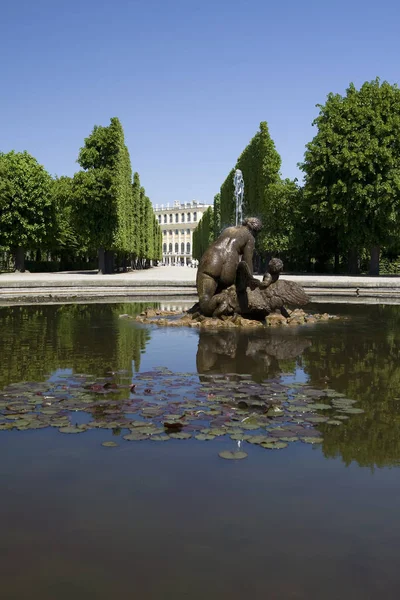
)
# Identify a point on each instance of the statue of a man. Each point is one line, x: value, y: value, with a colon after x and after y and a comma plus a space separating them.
x: 218, y: 265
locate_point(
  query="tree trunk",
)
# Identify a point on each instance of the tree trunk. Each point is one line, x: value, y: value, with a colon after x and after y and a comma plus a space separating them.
x: 353, y: 261
x: 20, y: 259
x: 336, y: 267
x: 102, y: 265
x: 124, y: 263
x: 374, y: 262
x: 109, y: 261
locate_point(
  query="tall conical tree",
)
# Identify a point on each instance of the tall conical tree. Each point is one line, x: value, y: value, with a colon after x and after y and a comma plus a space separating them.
x: 103, y: 192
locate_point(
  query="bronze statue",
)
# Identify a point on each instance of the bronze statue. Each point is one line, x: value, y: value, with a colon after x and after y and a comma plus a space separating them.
x: 218, y: 265
x: 225, y: 282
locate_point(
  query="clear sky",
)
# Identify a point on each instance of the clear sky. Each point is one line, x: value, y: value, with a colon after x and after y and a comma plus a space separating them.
x: 190, y: 80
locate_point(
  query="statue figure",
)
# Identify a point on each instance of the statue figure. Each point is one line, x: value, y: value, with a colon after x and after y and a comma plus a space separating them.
x: 225, y: 282
x: 218, y: 265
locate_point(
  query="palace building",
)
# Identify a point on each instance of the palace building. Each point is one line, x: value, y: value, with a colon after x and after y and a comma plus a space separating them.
x: 177, y: 224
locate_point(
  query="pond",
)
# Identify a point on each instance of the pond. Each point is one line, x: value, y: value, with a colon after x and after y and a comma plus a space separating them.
x: 310, y: 512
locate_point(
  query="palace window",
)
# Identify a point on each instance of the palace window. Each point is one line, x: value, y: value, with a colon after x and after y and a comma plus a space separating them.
x: 165, y: 218
x: 170, y: 218
x: 176, y: 218
x: 182, y: 247
x: 188, y: 248
x: 188, y: 231
x: 159, y: 218
x: 165, y: 232
x: 188, y: 217
x: 176, y: 248
x: 176, y: 231
x: 195, y: 216
x: 170, y: 247
x: 170, y: 232
x: 182, y: 217
x: 182, y: 231
x: 164, y: 248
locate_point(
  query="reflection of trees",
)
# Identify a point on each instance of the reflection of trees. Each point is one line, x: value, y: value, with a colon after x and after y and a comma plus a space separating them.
x: 259, y: 353
x: 362, y: 360
x: 91, y: 338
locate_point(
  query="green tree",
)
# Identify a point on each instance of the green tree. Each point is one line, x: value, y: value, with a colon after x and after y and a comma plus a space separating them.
x: 203, y: 235
x: 67, y: 242
x: 103, y: 193
x: 352, y: 168
x: 217, y: 215
x: 26, y: 210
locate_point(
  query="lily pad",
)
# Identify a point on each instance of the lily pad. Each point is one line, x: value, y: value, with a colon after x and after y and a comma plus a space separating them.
x: 180, y: 436
x: 72, y: 429
x: 109, y: 444
x: 228, y: 455
x: 353, y: 411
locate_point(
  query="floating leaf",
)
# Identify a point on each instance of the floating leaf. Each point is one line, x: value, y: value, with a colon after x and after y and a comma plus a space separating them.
x: 312, y: 440
x: 180, y: 436
x: 109, y: 444
x: 232, y: 455
x: 72, y: 429
x: 135, y: 437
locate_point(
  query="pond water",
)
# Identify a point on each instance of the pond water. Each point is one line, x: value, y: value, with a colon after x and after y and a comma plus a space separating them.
x: 312, y: 513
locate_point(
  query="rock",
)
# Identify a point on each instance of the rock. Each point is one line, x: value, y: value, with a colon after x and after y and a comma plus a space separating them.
x: 275, y: 319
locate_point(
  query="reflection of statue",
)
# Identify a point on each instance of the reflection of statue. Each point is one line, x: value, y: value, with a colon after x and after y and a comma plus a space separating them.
x: 232, y: 351
x: 218, y: 265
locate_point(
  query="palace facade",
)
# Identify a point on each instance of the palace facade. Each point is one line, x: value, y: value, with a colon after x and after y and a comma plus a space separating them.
x: 178, y: 222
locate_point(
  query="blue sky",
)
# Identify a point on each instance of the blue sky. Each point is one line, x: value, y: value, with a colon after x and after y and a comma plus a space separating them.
x: 190, y: 80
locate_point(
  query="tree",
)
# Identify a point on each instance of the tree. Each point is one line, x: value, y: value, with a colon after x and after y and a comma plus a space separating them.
x: 352, y: 168
x: 103, y: 193
x: 217, y: 215
x: 67, y: 242
x: 26, y: 211
x: 203, y: 235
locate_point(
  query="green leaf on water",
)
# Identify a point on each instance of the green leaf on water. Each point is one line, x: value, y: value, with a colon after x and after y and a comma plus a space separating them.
x: 109, y: 444
x: 204, y: 437
x: 228, y: 455
x: 72, y: 429
x: 135, y: 437
x: 180, y: 436
x: 312, y: 440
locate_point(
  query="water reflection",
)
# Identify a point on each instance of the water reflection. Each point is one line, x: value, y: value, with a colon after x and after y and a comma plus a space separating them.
x: 259, y: 353
x: 361, y: 358
x: 37, y: 340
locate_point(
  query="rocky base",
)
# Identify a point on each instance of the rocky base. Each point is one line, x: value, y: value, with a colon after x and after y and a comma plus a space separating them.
x: 179, y: 319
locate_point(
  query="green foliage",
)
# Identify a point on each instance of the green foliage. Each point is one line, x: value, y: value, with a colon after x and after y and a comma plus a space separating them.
x: 203, y: 235
x: 217, y: 215
x: 352, y: 166
x: 66, y: 236
x: 260, y: 163
x: 26, y: 211
x: 227, y: 202
x: 102, y: 192
x: 266, y: 196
